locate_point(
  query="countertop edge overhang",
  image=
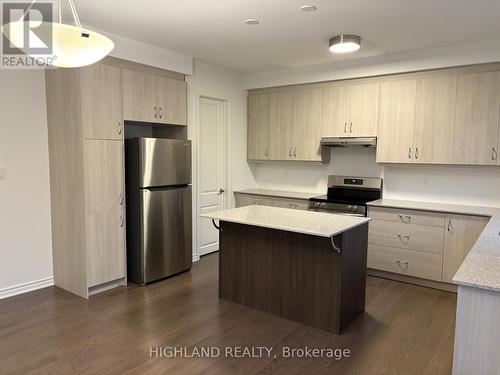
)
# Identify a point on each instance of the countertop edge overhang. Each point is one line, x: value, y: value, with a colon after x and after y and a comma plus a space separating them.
x: 290, y: 220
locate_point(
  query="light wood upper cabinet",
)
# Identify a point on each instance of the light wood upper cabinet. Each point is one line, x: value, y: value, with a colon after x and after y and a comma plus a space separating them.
x: 396, y: 122
x: 477, y: 119
x: 150, y: 98
x: 350, y: 110
x: 102, y: 116
x: 281, y: 125
x: 364, y: 107
x: 139, y: 96
x: 335, y: 111
x: 435, y: 119
x: 258, y: 127
x: 460, y: 235
x: 172, y: 101
x: 306, y: 131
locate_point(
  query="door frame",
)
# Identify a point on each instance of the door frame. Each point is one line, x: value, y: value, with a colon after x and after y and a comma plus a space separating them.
x: 226, y: 105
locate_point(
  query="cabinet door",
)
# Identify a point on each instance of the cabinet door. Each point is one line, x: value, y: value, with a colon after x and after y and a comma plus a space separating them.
x: 258, y: 127
x: 335, y: 114
x: 477, y: 119
x: 281, y: 125
x: 103, y: 170
x: 397, y: 122
x: 105, y: 236
x: 172, y: 99
x: 104, y: 199
x: 461, y: 234
x: 102, y: 115
x: 306, y: 132
x: 139, y: 96
x: 363, y: 112
x: 435, y: 119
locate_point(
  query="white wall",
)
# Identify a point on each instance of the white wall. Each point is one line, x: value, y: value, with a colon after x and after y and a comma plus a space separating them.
x: 448, y: 184
x: 464, y: 54
x: 25, y: 232
x: 214, y: 82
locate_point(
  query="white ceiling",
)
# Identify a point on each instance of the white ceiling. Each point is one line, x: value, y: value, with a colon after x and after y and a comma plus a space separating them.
x: 214, y: 30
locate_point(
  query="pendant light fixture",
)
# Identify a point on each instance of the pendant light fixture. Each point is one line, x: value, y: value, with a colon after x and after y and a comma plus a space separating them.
x: 345, y: 43
x: 72, y: 45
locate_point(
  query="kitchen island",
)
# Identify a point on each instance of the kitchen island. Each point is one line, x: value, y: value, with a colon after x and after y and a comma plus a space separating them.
x: 304, y: 266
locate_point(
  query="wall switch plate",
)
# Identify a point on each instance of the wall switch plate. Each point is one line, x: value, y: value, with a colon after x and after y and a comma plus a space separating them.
x: 3, y: 173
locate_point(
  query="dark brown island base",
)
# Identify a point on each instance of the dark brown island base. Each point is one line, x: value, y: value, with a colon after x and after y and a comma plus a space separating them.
x: 304, y: 266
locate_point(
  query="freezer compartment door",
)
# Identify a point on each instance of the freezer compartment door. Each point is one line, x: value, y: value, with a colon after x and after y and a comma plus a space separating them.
x: 167, y: 234
x: 164, y: 162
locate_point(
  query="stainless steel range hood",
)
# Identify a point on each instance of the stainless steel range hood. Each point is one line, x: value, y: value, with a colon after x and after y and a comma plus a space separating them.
x: 349, y: 141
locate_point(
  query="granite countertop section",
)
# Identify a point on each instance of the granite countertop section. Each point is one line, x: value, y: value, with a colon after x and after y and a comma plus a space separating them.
x: 481, y: 268
x: 278, y: 193
x: 299, y: 221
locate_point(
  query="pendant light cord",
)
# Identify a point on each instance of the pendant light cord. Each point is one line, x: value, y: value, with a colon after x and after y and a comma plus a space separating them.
x: 59, y: 10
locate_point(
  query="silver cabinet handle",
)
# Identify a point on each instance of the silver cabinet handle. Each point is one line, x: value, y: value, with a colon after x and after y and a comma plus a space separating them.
x: 121, y: 221
x: 156, y: 113
x: 402, y: 263
x: 416, y: 152
x: 267, y: 151
x: 406, y: 238
x: 119, y: 128
x: 409, y: 152
x: 449, y: 226
x: 290, y: 152
x: 121, y: 199
x: 405, y: 218
x: 295, y: 152
x: 161, y: 113
x: 350, y: 128
x: 494, y: 154
x: 345, y: 127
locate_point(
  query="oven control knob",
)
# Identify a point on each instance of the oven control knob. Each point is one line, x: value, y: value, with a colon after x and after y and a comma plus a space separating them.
x: 349, y: 208
x: 354, y: 208
x: 316, y: 204
x: 323, y: 205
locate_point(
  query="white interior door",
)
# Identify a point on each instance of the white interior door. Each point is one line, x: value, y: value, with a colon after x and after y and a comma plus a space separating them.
x: 212, y: 170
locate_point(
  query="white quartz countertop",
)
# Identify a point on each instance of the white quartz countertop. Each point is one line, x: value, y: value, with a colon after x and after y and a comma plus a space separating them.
x: 299, y: 221
x: 278, y: 193
x: 481, y: 268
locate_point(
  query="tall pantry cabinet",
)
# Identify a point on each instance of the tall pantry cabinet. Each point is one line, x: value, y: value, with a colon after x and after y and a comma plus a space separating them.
x: 85, y: 127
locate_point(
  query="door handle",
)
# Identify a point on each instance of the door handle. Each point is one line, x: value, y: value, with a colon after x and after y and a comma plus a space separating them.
x: 119, y: 128
x: 345, y: 127
x: 155, y: 112
x: 160, y: 112
x: 295, y: 152
x: 350, y: 128
x: 409, y: 153
x: 416, y: 152
x: 494, y: 153
x: 449, y: 226
x: 121, y: 199
x: 221, y: 191
x: 121, y: 221
x: 267, y: 151
x: 290, y: 152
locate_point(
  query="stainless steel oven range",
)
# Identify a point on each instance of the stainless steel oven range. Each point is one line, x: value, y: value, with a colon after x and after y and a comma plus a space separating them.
x: 348, y: 195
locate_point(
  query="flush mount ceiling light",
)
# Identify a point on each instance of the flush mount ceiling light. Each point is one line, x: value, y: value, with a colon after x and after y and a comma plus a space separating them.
x: 251, y: 21
x: 72, y: 45
x: 308, y: 8
x: 345, y: 43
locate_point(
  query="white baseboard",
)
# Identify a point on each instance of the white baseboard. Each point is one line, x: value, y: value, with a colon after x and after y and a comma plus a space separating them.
x: 14, y: 290
x: 196, y: 258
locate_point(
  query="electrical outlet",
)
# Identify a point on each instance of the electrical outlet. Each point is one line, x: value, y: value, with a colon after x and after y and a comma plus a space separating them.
x: 3, y: 173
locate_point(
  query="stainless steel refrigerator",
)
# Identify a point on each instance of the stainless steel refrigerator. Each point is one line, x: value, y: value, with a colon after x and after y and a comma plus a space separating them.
x: 159, y: 216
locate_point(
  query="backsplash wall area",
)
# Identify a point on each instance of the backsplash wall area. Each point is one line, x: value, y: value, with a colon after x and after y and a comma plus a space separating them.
x: 434, y: 183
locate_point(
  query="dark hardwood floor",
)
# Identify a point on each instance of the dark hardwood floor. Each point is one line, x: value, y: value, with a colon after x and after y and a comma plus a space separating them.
x: 406, y: 330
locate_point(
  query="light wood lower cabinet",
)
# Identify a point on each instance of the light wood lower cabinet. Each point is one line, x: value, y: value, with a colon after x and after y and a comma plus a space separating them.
x: 461, y: 234
x: 242, y: 200
x: 421, y: 244
x: 405, y: 262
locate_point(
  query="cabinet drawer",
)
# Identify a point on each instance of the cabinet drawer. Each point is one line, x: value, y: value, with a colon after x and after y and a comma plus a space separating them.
x: 405, y: 262
x: 407, y: 236
x: 432, y: 219
x: 298, y: 204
